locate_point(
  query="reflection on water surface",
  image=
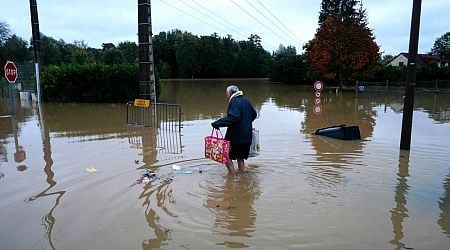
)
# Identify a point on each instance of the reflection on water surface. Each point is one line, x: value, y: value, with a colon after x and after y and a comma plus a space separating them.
x: 303, y: 191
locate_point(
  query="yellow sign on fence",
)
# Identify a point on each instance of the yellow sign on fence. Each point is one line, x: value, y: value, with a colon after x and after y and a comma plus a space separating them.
x: 141, y: 103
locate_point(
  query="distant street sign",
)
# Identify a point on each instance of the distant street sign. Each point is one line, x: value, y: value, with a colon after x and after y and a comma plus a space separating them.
x: 10, y: 72
x: 318, y: 94
x: 317, y: 101
x: 318, y: 86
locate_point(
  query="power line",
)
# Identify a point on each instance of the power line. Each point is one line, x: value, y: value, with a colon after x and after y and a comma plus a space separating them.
x: 239, y: 30
x: 268, y: 19
x: 200, y: 20
x: 190, y: 6
x: 298, y: 39
x: 248, y: 13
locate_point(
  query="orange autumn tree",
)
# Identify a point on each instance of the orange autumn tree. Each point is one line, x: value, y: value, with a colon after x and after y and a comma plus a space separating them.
x: 344, y: 49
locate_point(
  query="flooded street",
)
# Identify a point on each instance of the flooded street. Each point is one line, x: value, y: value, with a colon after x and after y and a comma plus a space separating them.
x: 303, y: 192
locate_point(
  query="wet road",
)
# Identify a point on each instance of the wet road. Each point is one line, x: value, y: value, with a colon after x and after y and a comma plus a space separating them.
x: 302, y: 192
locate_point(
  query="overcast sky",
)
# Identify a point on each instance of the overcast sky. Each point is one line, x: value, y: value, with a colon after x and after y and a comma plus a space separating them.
x: 289, y: 22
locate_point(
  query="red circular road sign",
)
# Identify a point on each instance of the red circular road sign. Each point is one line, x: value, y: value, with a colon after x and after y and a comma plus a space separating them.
x: 318, y: 94
x: 10, y: 72
x: 318, y: 86
x: 317, y: 101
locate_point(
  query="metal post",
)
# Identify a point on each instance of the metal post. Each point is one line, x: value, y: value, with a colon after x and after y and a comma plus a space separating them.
x: 11, y: 99
x: 408, y: 107
x: 36, y: 45
x: 147, y: 87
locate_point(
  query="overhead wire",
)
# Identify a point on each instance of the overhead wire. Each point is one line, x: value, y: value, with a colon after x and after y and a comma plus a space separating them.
x: 231, y: 26
x: 268, y: 19
x: 205, y: 14
x: 241, y: 31
x: 198, y: 19
x: 294, y: 36
x: 256, y: 19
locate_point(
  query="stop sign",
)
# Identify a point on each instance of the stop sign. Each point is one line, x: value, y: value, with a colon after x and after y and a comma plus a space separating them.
x: 10, y: 72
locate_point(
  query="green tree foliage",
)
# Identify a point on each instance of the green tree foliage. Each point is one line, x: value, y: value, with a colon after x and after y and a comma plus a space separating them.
x: 130, y: 51
x: 253, y: 60
x: 53, y: 51
x: 186, y: 55
x: 343, y: 48
x: 15, y: 49
x: 441, y: 46
x: 288, y: 66
x: 90, y: 82
x: 113, y: 56
x: 183, y: 55
x: 5, y: 32
x: 343, y: 8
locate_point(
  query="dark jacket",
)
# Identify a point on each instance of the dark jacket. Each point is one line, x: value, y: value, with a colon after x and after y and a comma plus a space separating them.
x: 240, y: 116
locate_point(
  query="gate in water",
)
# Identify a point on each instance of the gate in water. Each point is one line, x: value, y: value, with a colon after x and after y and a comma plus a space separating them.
x: 164, y: 116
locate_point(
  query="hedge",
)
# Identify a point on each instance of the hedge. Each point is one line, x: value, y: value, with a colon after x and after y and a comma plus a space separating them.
x: 91, y: 82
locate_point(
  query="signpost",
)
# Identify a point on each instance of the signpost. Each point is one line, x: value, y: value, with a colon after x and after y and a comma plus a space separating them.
x: 11, y: 76
x: 10, y: 72
x: 318, y: 87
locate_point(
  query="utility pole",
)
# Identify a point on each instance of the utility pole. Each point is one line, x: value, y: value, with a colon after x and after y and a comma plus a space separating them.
x: 408, y: 106
x: 147, y: 85
x: 36, y: 45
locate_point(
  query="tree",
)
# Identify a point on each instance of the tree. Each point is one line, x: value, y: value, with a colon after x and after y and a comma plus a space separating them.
x: 343, y: 48
x: 5, y: 32
x: 16, y: 49
x: 186, y: 55
x: 129, y: 50
x: 81, y: 56
x: 441, y: 46
x: 288, y: 66
x: 112, y: 56
x: 52, y: 50
x: 79, y: 53
x: 344, y: 8
x: 253, y: 60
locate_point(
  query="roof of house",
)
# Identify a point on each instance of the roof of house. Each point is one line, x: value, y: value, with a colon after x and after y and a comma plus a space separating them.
x: 423, y: 59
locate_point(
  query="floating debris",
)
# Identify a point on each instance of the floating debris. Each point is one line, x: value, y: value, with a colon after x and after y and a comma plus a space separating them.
x: 184, y: 171
x: 91, y: 169
x: 147, y: 177
x: 176, y: 167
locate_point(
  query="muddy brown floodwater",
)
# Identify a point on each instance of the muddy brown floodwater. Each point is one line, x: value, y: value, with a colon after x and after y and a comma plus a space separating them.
x: 68, y: 174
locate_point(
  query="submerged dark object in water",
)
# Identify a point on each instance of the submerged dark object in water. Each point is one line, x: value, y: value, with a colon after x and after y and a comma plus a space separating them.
x: 342, y: 132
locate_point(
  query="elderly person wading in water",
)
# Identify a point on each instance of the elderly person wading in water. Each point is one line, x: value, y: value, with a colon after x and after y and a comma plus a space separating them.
x: 238, y: 121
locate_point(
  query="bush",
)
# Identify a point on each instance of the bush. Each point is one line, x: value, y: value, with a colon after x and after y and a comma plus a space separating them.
x: 90, y: 82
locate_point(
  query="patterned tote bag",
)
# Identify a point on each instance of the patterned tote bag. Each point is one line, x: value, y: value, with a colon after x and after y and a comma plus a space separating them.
x: 216, y: 147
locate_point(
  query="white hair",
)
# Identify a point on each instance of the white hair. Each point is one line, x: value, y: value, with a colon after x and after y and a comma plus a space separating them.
x: 232, y: 89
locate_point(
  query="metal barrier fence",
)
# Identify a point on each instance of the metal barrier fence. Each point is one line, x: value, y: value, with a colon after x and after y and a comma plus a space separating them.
x: 435, y: 85
x: 163, y: 141
x: 158, y: 115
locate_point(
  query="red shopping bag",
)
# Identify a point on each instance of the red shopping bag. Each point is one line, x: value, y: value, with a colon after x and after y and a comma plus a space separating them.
x: 217, y: 148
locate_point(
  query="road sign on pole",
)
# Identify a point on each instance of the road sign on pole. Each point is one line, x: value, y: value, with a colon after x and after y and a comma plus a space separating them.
x: 10, y: 72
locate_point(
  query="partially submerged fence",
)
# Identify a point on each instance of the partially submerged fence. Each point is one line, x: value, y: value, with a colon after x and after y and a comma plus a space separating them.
x: 389, y: 86
x: 164, y: 116
x: 157, y: 126
x: 163, y: 141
